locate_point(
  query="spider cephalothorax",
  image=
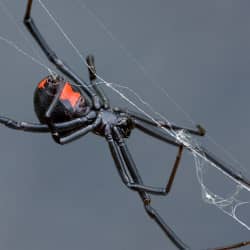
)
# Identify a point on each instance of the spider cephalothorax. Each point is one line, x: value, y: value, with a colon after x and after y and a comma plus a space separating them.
x: 72, y: 102
x: 110, y: 118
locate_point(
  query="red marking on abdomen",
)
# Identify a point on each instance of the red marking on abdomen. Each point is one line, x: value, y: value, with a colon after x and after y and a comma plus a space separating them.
x: 68, y: 94
x: 41, y: 84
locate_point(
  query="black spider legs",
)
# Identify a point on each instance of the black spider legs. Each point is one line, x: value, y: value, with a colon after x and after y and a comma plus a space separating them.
x: 135, y: 174
x: 157, y: 132
x: 151, y: 130
x: 79, y: 133
x: 123, y: 172
x: 158, y: 190
x: 31, y: 26
x: 200, y: 130
x: 154, y: 132
x: 131, y: 178
x: 50, y: 110
x: 123, y: 161
x: 92, y: 77
x: 226, y: 168
x: 43, y: 128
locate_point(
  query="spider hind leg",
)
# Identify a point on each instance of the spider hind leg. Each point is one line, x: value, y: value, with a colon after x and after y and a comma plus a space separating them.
x: 130, y: 175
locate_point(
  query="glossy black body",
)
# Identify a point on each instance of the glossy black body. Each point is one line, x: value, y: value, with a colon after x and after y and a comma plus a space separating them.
x: 63, y: 111
x: 68, y: 119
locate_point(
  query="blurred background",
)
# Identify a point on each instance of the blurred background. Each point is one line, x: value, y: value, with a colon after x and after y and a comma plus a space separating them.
x: 71, y: 197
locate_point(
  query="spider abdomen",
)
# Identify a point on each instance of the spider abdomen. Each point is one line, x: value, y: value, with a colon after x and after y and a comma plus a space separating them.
x: 71, y: 103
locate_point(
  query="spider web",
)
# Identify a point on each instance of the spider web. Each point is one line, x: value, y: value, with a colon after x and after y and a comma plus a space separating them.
x: 227, y: 203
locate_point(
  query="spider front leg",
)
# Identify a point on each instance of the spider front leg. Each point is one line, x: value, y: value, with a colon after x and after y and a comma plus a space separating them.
x: 81, y: 130
x: 92, y: 77
x: 77, y: 134
x: 142, y: 118
x: 43, y: 128
x: 51, y: 55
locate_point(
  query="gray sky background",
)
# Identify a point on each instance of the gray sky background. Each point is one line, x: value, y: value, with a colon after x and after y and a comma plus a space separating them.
x: 70, y: 197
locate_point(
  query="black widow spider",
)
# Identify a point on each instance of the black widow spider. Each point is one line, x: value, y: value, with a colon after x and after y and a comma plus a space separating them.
x: 69, y: 111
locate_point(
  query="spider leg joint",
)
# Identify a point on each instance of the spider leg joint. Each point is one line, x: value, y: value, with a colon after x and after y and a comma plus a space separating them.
x: 201, y: 130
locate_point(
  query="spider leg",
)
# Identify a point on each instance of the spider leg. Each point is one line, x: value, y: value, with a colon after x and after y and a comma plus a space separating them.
x: 120, y: 155
x: 32, y: 28
x: 226, y: 168
x: 123, y: 171
x: 199, y: 132
x: 77, y: 134
x: 50, y: 110
x: 92, y: 77
x: 155, y: 132
x: 165, y: 190
x: 131, y: 166
x: 115, y: 152
x: 231, y: 171
x: 152, y: 131
x: 234, y: 246
x: 43, y: 128
x: 159, y: 134
x: 24, y: 126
